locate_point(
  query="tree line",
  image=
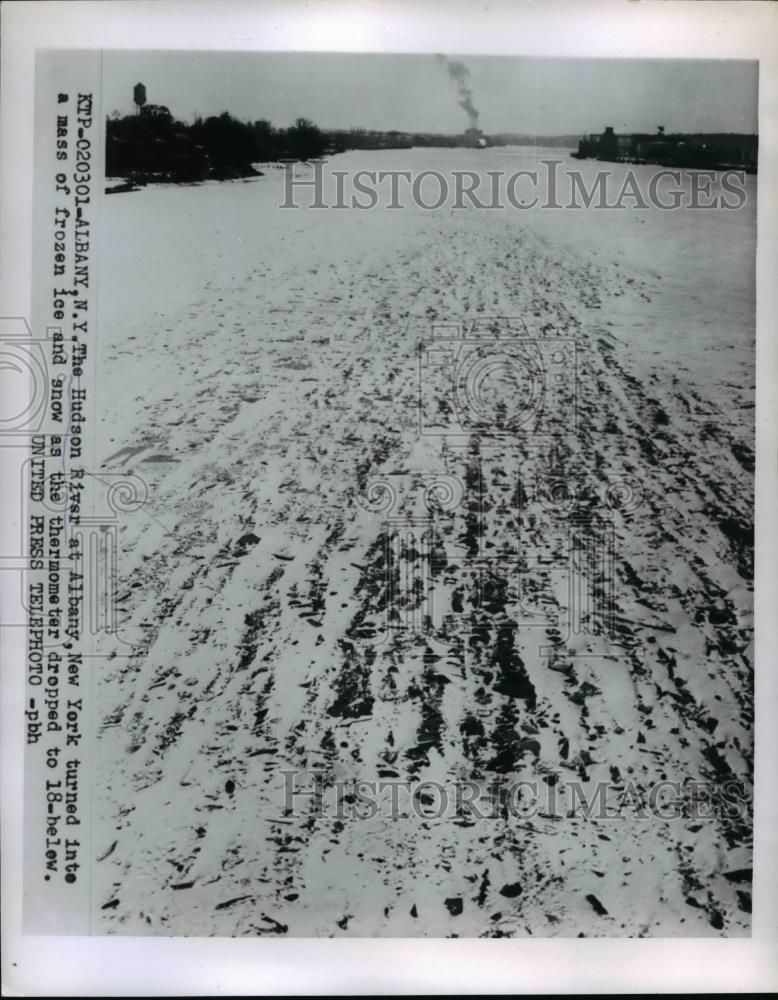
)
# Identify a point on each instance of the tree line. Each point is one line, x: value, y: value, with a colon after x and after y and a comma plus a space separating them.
x: 153, y: 146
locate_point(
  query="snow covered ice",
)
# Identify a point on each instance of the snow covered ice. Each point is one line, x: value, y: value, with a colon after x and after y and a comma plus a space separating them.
x: 260, y: 370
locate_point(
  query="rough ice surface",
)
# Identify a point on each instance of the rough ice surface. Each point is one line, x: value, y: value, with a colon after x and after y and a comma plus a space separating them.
x: 259, y: 370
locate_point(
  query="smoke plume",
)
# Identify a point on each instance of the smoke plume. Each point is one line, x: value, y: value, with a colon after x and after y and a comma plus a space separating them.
x: 460, y: 74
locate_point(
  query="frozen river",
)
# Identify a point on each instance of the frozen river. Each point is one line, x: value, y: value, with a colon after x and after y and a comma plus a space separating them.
x: 260, y: 372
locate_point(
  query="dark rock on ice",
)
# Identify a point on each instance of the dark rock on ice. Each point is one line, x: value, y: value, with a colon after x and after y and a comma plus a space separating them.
x: 244, y: 543
x: 740, y: 875
x: 596, y: 905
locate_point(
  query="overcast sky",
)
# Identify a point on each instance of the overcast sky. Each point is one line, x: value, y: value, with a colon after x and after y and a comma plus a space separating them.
x: 414, y: 92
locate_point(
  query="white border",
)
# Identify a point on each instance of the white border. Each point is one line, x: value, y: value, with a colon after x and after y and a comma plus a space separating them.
x: 149, y: 966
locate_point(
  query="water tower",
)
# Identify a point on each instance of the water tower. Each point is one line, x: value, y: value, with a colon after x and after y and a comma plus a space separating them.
x: 138, y: 97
